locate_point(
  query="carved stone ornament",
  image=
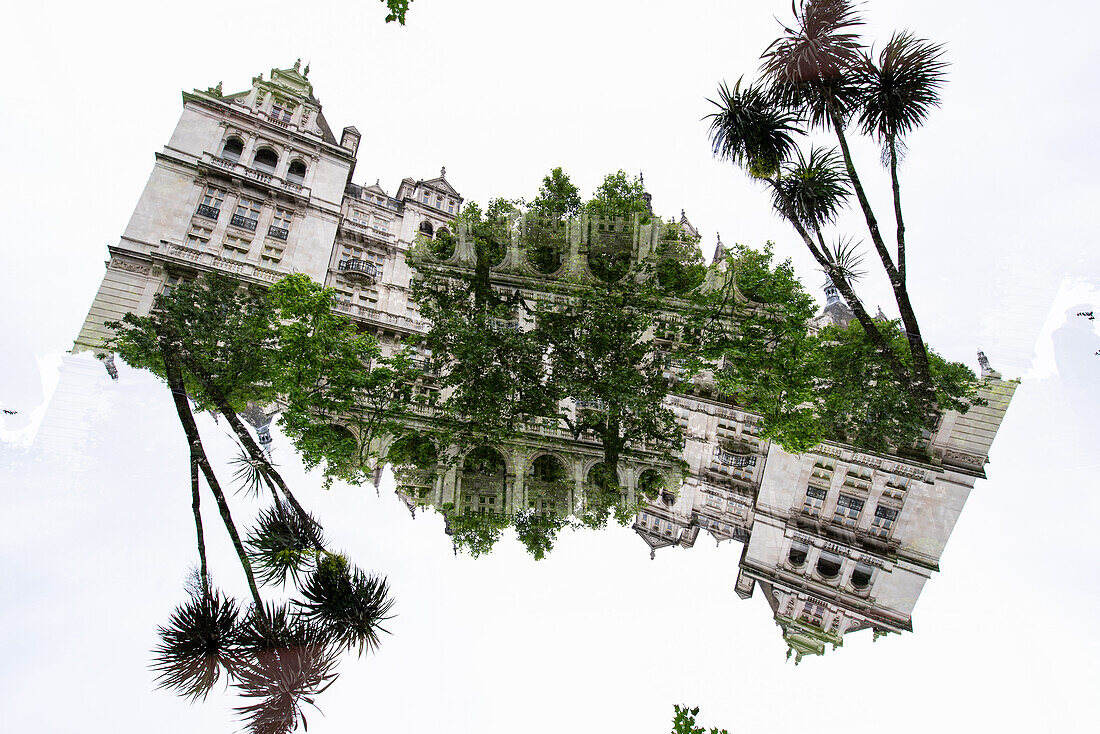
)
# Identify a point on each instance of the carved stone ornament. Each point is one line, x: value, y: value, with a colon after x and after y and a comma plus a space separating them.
x: 130, y: 267
x: 959, y: 456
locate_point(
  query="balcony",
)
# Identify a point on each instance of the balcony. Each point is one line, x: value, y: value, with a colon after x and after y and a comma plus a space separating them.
x: 228, y: 166
x: 243, y: 222
x: 360, y: 269
x: 736, y: 460
x: 208, y: 211
x: 278, y: 233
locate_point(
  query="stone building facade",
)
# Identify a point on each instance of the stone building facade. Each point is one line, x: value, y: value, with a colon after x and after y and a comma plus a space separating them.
x: 256, y: 185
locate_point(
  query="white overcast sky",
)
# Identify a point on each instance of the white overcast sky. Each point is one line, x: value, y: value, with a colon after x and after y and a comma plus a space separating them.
x: 1000, y: 191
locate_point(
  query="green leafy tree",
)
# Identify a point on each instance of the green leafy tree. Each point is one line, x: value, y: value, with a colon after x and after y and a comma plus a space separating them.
x: 810, y: 386
x: 340, y: 394
x: 683, y: 722
x: 618, y: 196
x: 757, y: 326
x: 818, y: 74
x: 397, y: 10
x: 558, y: 196
x: 601, y: 352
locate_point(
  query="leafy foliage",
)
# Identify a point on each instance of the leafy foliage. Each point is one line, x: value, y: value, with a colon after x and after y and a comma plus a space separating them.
x: 683, y: 722
x: 397, y: 10
x: 749, y: 130
x: 197, y: 645
x: 283, y: 543
x: 347, y: 603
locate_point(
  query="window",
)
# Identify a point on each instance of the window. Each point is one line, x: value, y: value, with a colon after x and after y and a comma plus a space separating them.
x: 382, y: 226
x: 813, y: 613
x: 232, y: 149
x: 828, y: 564
x: 235, y: 248
x: 858, y: 478
x: 861, y: 576
x: 451, y: 207
x: 296, y: 173
x: 170, y: 284
x: 883, y: 523
x: 247, y: 214
x: 815, y: 498
x: 280, y: 225
x: 426, y: 228
x: 439, y: 202
x: 282, y: 111
x: 897, y: 486
x: 426, y: 197
x: 211, y: 204
x: 847, y: 510
x: 265, y: 160
x: 198, y: 236
x: 359, y: 218
x: 272, y: 254
x: 798, y: 553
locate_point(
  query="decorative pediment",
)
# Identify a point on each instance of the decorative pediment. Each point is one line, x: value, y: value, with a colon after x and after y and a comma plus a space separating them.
x: 441, y: 185
x: 292, y: 81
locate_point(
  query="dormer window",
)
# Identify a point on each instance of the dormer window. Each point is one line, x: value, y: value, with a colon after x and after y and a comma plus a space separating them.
x: 282, y: 111
x: 265, y: 160
x: 296, y: 173
x: 232, y: 149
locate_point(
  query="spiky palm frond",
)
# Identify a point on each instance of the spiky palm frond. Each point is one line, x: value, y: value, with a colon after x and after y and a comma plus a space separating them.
x: 351, y: 605
x: 750, y: 130
x: 847, y: 259
x: 197, y: 644
x: 283, y: 543
x: 250, y: 474
x: 289, y: 662
x: 897, y: 91
x: 808, y: 67
x: 812, y: 189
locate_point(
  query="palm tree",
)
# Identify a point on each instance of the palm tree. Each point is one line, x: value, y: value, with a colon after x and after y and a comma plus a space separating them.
x: 753, y: 131
x: 819, y: 75
x: 820, y: 69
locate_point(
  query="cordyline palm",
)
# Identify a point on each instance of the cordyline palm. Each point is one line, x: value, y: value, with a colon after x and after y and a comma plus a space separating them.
x: 751, y: 130
x: 819, y: 69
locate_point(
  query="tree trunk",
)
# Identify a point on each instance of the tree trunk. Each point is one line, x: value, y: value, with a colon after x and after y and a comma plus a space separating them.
x: 245, y: 438
x: 187, y: 420
x: 195, y: 502
x: 923, y: 378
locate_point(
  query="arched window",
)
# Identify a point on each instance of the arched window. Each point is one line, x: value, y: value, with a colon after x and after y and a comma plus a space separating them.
x: 442, y: 232
x: 861, y: 577
x: 828, y: 565
x: 547, y: 468
x: 296, y: 173
x: 265, y: 160
x: 650, y: 484
x: 232, y: 149
x: 798, y: 553
x: 426, y: 228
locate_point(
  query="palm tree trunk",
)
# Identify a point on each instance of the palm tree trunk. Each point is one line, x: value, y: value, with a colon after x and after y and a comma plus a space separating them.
x: 245, y: 438
x: 195, y: 502
x: 893, y: 153
x: 864, y: 319
x: 922, y: 374
x: 194, y: 440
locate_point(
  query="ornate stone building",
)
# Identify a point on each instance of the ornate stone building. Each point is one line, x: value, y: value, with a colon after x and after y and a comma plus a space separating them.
x: 256, y: 185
